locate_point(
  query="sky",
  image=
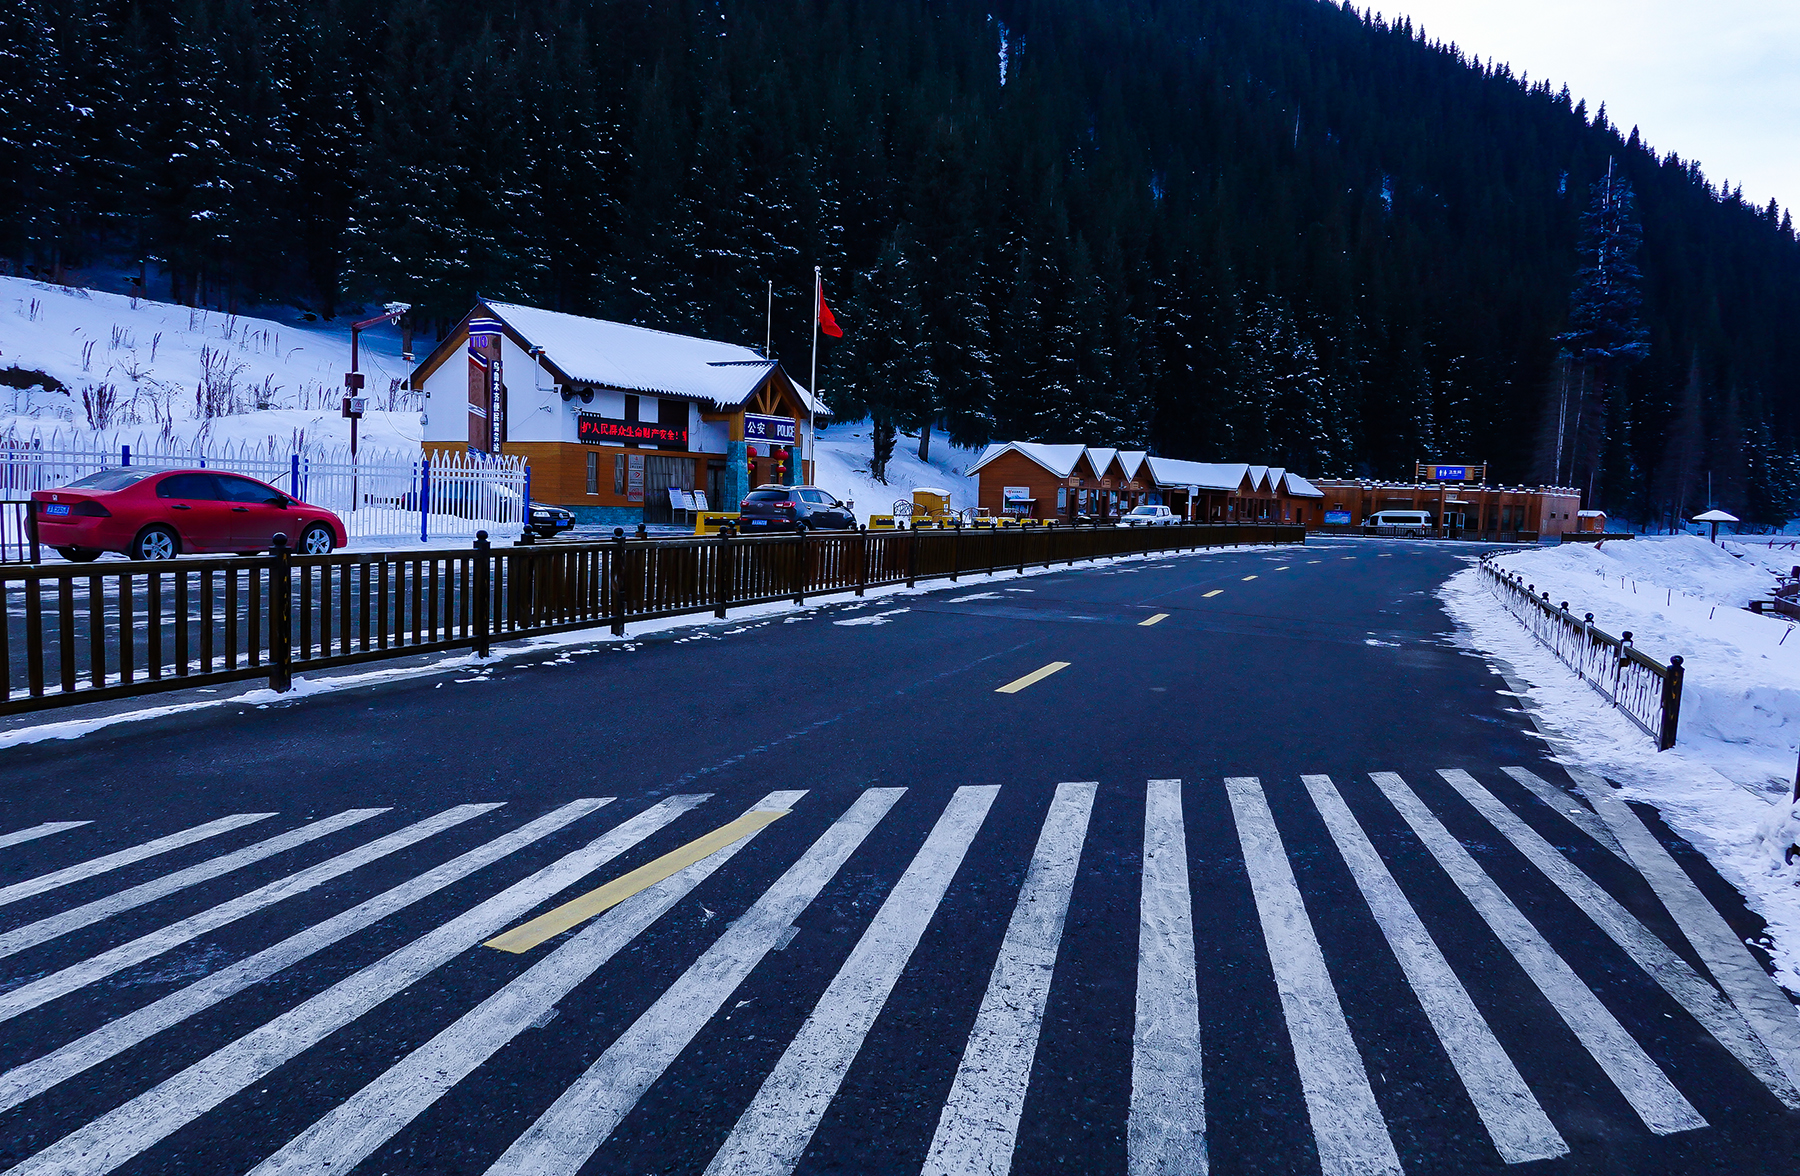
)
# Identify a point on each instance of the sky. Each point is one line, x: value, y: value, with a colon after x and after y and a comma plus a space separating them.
x: 1716, y: 81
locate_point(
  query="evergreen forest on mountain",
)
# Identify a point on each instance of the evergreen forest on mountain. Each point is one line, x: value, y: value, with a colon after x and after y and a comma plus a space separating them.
x: 1278, y: 231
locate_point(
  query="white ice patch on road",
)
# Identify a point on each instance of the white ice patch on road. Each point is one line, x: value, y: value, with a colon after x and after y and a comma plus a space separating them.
x: 877, y: 619
x: 975, y: 596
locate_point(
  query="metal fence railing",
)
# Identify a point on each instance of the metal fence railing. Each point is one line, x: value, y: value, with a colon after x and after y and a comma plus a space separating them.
x: 108, y: 630
x: 1644, y: 689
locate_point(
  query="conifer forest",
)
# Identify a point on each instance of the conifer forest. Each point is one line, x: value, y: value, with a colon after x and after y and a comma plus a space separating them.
x: 1280, y: 231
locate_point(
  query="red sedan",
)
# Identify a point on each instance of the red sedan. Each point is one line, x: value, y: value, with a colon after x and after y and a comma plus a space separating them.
x: 159, y: 514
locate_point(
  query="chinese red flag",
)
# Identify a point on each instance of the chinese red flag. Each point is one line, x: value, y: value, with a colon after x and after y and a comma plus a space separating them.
x: 827, y: 321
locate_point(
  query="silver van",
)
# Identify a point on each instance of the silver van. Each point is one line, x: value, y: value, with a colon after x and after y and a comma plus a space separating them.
x: 1416, y: 524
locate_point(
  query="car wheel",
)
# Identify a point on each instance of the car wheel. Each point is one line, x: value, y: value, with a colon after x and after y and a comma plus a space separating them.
x: 78, y: 554
x: 316, y: 540
x: 157, y: 542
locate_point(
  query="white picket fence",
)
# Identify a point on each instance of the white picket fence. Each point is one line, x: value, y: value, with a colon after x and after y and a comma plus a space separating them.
x: 383, y: 494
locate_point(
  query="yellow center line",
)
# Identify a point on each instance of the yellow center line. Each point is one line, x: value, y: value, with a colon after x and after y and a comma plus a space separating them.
x: 1153, y: 620
x: 1249, y: 577
x: 552, y: 923
x: 1214, y: 592
x: 1018, y: 684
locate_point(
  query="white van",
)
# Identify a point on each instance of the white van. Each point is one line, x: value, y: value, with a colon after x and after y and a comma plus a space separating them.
x: 1414, y: 523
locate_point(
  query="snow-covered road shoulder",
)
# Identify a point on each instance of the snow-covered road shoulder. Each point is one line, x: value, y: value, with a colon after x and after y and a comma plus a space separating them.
x: 1743, y: 826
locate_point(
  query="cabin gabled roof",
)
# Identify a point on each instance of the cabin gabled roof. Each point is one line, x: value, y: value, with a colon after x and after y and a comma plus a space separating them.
x: 1298, y: 487
x: 1171, y: 472
x: 1060, y: 460
x: 607, y: 354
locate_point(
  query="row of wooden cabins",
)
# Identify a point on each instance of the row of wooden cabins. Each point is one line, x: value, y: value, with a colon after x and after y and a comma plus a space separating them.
x: 1029, y: 479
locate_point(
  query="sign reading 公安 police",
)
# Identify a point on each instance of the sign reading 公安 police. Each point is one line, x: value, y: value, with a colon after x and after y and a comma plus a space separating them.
x: 772, y: 429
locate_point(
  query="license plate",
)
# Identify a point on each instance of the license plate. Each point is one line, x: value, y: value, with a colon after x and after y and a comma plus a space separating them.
x: 759, y: 522
x: 57, y: 508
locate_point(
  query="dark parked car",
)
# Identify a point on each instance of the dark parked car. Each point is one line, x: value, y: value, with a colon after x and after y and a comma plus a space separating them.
x: 547, y: 522
x: 793, y: 508
x: 159, y: 514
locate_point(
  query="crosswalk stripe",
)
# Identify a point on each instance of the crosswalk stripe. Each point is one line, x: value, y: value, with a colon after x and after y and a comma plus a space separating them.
x: 129, y: 1130
x: 355, y: 1128
x: 1351, y: 1135
x: 113, y: 861
x: 34, y: 1077
x: 979, y: 1125
x: 1568, y: 808
x: 1152, y: 620
x: 1209, y: 595
x: 578, y: 1122
x: 1765, y: 1006
x: 595, y: 902
x: 44, y: 930
x: 1702, y: 1001
x: 1165, y: 1132
x: 1645, y: 1087
x: 66, y: 980
x: 775, y: 1128
x: 21, y: 836
x: 1515, y: 1121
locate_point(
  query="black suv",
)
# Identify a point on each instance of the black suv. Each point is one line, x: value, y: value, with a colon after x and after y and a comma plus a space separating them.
x: 792, y: 508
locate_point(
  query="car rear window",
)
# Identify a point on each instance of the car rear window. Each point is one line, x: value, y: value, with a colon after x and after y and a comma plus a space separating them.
x: 766, y: 496
x: 111, y: 480
x: 195, y: 486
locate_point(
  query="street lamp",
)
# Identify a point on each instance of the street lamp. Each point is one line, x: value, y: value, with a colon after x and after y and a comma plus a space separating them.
x: 354, y: 403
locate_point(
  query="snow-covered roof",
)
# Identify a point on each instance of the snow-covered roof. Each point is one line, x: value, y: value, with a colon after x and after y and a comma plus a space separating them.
x: 1100, y: 459
x: 1299, y: 487
x: 1169, y: 471
x: 1716, y: 516
x: 1058, y: 459
x: 1259, y: 477
x: 1131, y: 461
x: 638, y: 359
x: 1590, y: 514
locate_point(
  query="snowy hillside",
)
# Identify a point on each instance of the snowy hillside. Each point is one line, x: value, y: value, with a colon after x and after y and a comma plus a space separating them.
x: 132, y: 367
x: 843, y: 469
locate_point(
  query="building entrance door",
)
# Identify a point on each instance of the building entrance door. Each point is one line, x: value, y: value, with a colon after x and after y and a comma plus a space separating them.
x: 660, y: 473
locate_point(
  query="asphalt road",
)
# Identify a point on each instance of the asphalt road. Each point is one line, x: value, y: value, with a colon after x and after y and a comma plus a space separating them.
x: 1242, y: 886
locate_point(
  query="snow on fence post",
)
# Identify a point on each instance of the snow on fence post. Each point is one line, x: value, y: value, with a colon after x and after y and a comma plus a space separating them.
x: 424, y: 499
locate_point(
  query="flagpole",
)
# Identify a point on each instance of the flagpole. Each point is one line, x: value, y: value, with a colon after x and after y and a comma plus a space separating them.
x: 813, y: 385
x: 769, y: 323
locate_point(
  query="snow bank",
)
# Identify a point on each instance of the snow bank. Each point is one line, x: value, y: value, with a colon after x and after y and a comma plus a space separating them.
x: 842, y: 467
x: 1726, y: 785
x: 1680, y: 594
x: 154, y: 355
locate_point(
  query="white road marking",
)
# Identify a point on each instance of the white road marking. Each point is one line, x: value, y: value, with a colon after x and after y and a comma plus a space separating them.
x: 1352, y: 1136
x: 1765, y: 1006
x: 1515, y: 1121
x: 980, y: 1120
x: 66, y: 980
x: 1701, y: 1000
x: 1165, y: 1131
x: 130, y: 1130
x: 1570, y: 809
x: 112, y: 861
x: 578, y: 1122
x: 775, y: 1128
x: 44, y: 930
x: 36, y: 1076
x: 355, y: 1128
x: 1645, y: 1087
x: 21, y: 836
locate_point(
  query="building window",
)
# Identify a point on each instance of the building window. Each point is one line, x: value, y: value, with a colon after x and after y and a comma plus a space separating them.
x: 593, y: 473
x: 618, y: 473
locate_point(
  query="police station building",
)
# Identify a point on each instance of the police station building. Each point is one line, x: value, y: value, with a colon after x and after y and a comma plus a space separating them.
x: 611, y: 417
